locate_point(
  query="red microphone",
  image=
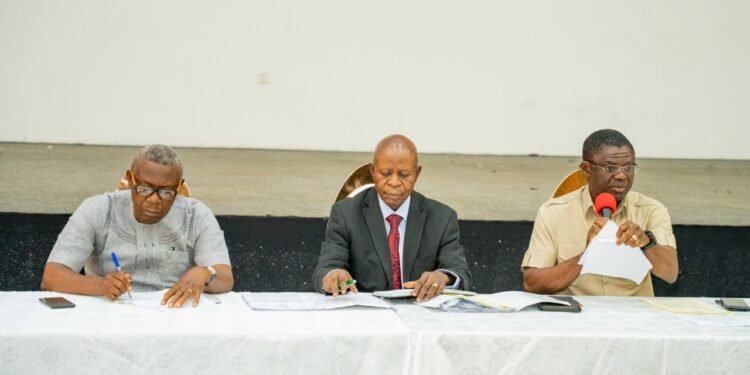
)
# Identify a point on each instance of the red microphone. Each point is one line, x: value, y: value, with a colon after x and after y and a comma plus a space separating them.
x: 605, y: 204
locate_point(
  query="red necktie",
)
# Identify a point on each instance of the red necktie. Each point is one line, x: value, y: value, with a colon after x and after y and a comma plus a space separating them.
x: 393, y: 239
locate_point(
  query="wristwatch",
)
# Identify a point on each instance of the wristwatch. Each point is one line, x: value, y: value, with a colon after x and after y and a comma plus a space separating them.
x: 651, y: 241
x: 213, y: 274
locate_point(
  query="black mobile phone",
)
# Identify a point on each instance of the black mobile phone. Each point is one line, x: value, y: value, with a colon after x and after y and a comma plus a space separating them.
x: 57, y: 302
x: 734, y: 304
x: 574, y: 307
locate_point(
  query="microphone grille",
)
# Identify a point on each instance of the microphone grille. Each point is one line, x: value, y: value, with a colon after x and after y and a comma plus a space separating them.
x: 605, y: 200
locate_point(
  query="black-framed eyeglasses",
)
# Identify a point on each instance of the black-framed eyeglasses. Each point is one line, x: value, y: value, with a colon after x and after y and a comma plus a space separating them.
x: 146, y: 191
x: 612, y: 169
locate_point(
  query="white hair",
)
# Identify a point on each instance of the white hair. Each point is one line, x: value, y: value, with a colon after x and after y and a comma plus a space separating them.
x: 159, y: 154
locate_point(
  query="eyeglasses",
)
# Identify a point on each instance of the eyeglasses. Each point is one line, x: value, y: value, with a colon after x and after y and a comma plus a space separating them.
x: 146, y: 191
x: 611, y: 169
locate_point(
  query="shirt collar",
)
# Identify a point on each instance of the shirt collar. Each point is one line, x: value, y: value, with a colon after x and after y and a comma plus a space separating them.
x: 588, y: 203
x: 402, y: 211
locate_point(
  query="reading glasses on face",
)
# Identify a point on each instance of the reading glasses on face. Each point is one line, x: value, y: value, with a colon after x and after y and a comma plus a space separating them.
x: 612, y: 169
x: 146, y: 191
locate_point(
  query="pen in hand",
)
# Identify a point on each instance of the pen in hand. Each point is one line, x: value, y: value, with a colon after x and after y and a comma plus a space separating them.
x: 348, y: 282
x: 119, y: 269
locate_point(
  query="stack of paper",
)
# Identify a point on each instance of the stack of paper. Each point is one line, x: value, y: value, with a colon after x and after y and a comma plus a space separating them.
x: 406, y: 293
x: 498, y: 302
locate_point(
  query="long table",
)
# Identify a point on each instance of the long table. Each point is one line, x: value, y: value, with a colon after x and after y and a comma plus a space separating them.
x: 100, y: 337
x: 611, y: 335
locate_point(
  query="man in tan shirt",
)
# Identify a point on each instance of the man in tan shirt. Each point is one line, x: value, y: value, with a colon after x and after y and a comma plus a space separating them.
x: 565, y: 225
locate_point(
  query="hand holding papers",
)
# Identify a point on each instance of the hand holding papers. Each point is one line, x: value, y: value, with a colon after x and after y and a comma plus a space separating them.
x: 604, y: 257
x: 498, y: 302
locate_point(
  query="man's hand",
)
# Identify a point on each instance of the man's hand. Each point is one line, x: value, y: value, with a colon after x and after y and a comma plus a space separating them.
x: 114, y: 284
x: 632, y: 235
x: 429, y: 285
x: 191, y: 284
x: 334, y: 282
x: 596, y: 227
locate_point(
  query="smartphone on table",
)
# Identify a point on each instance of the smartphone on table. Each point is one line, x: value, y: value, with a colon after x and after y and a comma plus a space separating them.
x: 575, y: 306
x: 733, y: 304
x: 57, y: 302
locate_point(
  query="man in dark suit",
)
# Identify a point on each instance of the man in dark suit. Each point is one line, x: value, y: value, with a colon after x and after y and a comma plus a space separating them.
x: 390, y: 237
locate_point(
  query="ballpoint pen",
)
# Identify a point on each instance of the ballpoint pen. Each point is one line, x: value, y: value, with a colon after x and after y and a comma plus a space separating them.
x: 117, y: 266
x: 348, y: 282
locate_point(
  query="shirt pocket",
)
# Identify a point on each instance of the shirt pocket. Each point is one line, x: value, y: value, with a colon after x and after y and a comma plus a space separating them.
x: 175, y: 261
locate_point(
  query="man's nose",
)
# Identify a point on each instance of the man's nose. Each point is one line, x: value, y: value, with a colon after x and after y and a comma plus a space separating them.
x: 154, y: 198
x: 393, y: 180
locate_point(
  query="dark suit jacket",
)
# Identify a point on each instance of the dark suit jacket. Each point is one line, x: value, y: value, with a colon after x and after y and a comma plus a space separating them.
x: 356, y: 241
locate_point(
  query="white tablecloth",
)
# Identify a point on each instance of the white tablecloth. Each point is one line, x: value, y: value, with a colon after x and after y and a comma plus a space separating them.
x: 611, y: 335
x: 99, y: 337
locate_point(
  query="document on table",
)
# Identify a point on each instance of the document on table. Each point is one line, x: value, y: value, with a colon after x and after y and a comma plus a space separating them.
x: 406, y: 293
x: 498, y: 302
x: 692, y: 306
x: 310, y: 301
x: 604, y: 257
x: 152, y: 301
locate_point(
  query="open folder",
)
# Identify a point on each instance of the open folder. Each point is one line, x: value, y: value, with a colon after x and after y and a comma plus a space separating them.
x: 498, y: 302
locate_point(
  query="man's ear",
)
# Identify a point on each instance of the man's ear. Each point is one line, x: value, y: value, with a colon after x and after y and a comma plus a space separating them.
x: 183, y: 189
x: 130, y: 178
x: 419, y: 170
x: 585, y: 168
x: 372, y: 170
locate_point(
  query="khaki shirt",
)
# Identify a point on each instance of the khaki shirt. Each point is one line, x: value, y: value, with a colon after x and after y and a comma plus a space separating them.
x: 560, y: 231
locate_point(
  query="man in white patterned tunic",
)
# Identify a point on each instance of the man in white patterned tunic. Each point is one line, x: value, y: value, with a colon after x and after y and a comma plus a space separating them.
x: 162, y: 240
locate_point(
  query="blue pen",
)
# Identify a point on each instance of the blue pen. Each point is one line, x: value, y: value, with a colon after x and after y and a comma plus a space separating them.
x: 117, y: 265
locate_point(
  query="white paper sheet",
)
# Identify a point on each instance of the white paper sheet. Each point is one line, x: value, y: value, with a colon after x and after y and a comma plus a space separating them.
x: 152, y: 301
x: 604, y: 257
x: 691, y: 306
x: 310, y: 301
x: 406, y: 293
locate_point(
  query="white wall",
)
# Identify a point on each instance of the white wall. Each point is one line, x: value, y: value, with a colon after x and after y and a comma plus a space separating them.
x: 496, y: 77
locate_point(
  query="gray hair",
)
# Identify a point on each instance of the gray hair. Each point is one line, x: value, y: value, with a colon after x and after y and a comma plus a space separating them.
x: 159, y: 154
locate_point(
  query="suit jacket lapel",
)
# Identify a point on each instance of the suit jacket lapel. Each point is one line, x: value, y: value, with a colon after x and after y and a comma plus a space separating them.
x: 376, y: 225
x: 414, y: 228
